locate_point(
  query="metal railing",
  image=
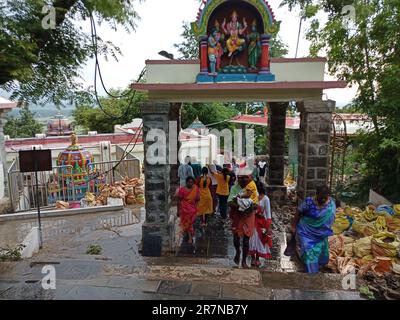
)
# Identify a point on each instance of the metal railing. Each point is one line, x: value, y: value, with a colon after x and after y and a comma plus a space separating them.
x: 60, y: 185
x: 110, y: 172
x: 53, y: 186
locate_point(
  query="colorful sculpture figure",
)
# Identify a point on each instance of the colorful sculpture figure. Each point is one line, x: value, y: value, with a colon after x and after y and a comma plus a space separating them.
x: 215, y: 50
x: 73, y: 172
x: 234, y: 30
x: 254, y: 50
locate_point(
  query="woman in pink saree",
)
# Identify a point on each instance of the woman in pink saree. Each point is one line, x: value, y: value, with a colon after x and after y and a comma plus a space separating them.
x: 188, y: 197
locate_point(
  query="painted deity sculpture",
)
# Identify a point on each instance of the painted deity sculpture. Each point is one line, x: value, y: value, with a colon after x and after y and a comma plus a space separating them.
x: 254, y: 49
x: 215, y: 50
x: 234, y: 30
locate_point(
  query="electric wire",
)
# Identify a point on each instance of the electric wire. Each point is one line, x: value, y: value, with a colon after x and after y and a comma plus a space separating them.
x: 97, y: 73
x: 125, y: 153
x: 132, y: 92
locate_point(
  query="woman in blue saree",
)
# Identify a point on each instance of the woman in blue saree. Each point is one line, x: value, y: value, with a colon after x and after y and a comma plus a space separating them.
x: 315, y: 219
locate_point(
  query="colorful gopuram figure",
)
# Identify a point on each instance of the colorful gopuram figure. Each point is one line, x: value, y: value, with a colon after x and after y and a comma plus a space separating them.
x: 254, y: 50
x: 234, y: 30
x: 215, y: 50
x: 73, y: 171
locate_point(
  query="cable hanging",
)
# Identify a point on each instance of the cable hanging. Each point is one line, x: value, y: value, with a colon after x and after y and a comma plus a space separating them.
x: 97, y: 72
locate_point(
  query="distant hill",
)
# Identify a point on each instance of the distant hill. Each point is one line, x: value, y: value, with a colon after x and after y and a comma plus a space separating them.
x: 43, y: 112
x: 46, y: 112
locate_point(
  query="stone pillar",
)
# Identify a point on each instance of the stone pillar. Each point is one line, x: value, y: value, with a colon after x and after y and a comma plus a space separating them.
x: 175, y: 120
x: 276, y: 151
x: 265, y: 75
x: 265, y: 60
x: 157, y: 177
x: 204, y: 55
x: 314, y: 145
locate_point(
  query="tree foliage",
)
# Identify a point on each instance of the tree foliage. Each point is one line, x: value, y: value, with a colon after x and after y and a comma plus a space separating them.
x: 43, y: 64
x: 92, y: 118
x: 189, y: 47
x: 365, y: 52
x: 24, y: 126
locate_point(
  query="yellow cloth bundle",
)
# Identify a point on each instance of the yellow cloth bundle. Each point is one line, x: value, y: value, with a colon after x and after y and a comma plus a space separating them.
x: 384, y: 244
x: 362, y: 247
x: 363, y: 227
x: 393, y: 224
x: 341, y: 224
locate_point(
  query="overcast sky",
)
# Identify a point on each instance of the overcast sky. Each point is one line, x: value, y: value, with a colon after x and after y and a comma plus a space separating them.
x: 161, y: 26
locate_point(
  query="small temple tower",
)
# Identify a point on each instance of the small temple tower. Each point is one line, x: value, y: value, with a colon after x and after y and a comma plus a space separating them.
x: 58, y: 126
x: 74, y: 176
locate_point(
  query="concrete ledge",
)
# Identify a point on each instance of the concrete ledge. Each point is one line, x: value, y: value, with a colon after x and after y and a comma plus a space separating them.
x: 59, y: 213
x: 31, y: 243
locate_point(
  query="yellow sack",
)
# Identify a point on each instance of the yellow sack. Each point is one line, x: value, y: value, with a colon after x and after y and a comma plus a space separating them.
x: 384, y: 244
x: 363, y: 227
x: 349, y: 250
x: 393, y: 224
x: 396, y: 210
x: 369, y: 215
x: 380, y: 225
x: 369, y: 257
x: 362, y: 247
x: 348, y: 211
x: 340, y: 225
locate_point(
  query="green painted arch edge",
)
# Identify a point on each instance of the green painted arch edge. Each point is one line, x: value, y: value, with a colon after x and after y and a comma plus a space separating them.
x: 271, y: 26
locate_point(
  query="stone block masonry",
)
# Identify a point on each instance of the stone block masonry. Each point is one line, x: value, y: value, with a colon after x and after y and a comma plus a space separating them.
x: 156, y: 116
x: 277, y: 143
x: 314, y: 145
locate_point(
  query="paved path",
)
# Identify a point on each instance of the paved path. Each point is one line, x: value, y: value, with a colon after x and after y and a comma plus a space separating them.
x: 120, y: 272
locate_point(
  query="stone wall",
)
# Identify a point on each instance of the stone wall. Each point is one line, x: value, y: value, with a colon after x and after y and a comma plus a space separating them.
x: 314, y: 145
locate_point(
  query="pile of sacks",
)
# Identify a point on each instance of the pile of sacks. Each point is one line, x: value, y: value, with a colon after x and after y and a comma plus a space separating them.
x: 366, y: 241
x: 131, y: 191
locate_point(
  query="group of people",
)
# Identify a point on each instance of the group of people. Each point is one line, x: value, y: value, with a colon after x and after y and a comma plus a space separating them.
x: 235, y: 190
x: 228, y: 190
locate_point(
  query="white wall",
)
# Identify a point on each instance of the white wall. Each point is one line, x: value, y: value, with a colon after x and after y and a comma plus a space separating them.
x: 187, y: 73
x: 196, y: 148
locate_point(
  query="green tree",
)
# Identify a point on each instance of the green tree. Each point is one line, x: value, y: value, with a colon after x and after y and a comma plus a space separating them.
x: 189, y: 47
x: 39, y: 63
x: 278, y: 49
x: 92, y: 118
x: 24, y: 126
x: 365, y: 52
x: 208, y: 113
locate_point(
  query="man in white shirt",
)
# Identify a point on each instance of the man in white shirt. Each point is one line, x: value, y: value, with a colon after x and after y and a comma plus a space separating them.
x: 185, y: 171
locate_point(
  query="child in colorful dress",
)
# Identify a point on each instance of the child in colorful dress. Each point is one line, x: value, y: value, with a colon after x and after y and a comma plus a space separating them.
x: 261, y: 240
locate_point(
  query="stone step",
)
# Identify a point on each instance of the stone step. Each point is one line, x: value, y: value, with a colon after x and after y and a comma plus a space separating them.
x: 302, y: 281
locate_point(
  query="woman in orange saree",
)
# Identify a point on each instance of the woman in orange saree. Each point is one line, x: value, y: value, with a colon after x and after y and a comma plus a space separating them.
x: 188, y: 197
